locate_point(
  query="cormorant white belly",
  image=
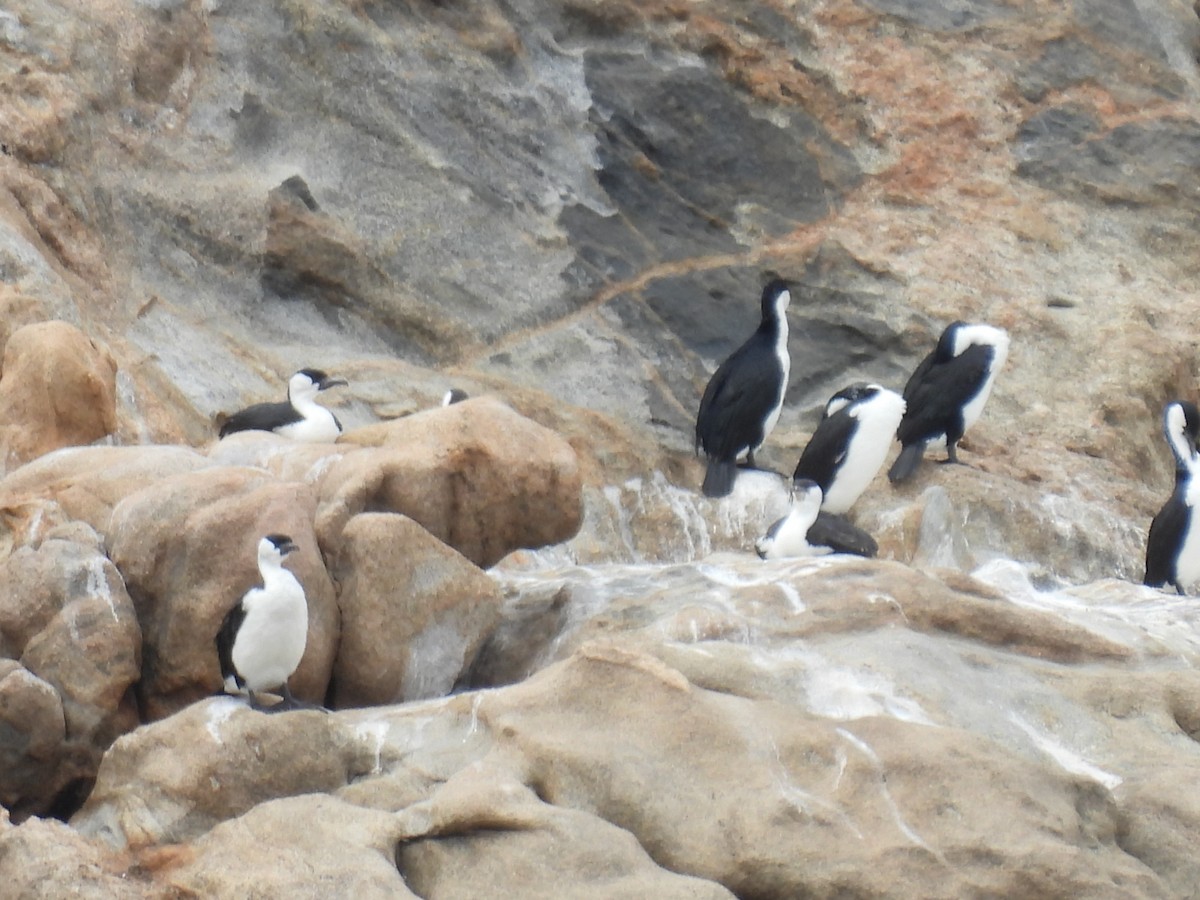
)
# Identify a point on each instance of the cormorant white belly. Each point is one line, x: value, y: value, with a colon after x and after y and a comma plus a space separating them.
x: 851, y: 443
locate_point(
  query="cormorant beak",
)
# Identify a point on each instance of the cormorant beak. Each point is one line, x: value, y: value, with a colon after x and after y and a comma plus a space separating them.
x: 287, y: 548
x: 332, y: 382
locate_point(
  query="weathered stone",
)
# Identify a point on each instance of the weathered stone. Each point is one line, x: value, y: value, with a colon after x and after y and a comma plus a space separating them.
x: 177, y: 778
x: 944, y: 15
x: 59, y: 390
x: 286, y: 459
x: 476, y: 475
x: 34, y: 729
x: 1155, y: 817
x: 1069, y: 149
x: 83, y: 483
x: 65, y: 615
x: 484, y: 832
x: 861, y: 786
x: 186, y: 546
x: 413, y: 612
x: 43, y: 859
x: 318, y: 845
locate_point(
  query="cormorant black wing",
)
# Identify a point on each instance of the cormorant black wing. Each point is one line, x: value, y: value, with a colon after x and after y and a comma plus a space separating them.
x: 261, y: 417
x: 1166, y: 533
x: 837, y: 533
x: 826, y: 448
x: 936, y: 399
x: 225, y: 638
x: 737, y: 400
x: 918, y: 376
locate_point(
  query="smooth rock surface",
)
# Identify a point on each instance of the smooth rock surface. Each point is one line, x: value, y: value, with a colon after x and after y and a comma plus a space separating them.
x: 413, y: 613
x: 152, y: 789
x: 476, y: 475
x: 73, y: 644
x: 320, y: 847
x: 59, y: 389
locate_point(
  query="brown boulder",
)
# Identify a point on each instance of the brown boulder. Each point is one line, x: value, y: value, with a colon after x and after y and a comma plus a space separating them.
x: 476, y: 475
x: 43, y: 859
x: 772, y: 801
x: 319, y: 847
x: 186, y: 546
x: 414, y: 612
x: 484, y: 833
x: 58, y: 390
x: 65, y: 615
x: 175, y: 779
x: 82, y: 483
x: 32, y: 721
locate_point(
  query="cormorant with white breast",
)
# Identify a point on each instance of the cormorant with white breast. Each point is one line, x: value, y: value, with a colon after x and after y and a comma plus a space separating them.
x: 743, y: 399
x: 946, y: 393
x: 299, y: 417
x: 262, y: 639
x: 806, y: 531
x: 850, y: 444
x: 454, y: 395
x: 1173, y: 546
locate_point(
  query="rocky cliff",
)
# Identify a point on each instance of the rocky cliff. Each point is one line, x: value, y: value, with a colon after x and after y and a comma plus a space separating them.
x: 568, y: 209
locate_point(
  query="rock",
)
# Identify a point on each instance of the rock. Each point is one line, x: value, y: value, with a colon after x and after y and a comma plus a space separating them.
x: 69, y: 621
x: 186, y: 546
x: 838, y: 690
x: 35, y: 729
x: 43, y: 859
x: 476, y: 475
x: 153, y: 789
x: 848, y: 793
x: 1154, y: 819
x: 483, y: 832
x: 83, y: 484
x: 317, y: 844
x: 286, y: 459
x: 414, y: 613
x: 58, y: 390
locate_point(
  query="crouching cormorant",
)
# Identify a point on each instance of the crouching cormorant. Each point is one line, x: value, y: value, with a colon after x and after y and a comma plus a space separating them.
x: 806, y: 531
x: 299, y: 417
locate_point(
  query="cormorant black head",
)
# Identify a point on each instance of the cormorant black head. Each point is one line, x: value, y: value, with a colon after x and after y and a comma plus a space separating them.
x: 454, y: 395
x: 775, y: 298
x: 283, y: 544
x: 313, y: 380
x: 856, y: 392
x: 945, y: 345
